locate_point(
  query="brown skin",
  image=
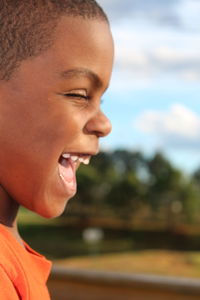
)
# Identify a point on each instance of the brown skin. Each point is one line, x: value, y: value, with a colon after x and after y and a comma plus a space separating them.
x: 41, y: 118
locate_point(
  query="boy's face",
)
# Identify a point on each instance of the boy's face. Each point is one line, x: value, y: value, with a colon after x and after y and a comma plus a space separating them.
x: 50, y: 107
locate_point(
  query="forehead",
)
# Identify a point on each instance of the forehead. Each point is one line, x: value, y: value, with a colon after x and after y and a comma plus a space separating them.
x: 83, y: 44
x: 72, y: 27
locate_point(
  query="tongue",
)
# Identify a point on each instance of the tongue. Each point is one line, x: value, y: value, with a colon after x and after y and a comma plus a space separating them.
x: 66, y: 170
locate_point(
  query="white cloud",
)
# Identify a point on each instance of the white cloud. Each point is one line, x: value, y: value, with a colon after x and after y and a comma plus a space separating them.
x: 191, y: 75
x: 177, y: 55
x: 131, y: 57
x: 156, y: 53
x: 188, y: 11
x: 147, y: 51
x: 154, y: 11
x: 177, y: 127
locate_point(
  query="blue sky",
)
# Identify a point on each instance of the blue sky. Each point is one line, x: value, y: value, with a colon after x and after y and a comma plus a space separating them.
x: 154, y: 97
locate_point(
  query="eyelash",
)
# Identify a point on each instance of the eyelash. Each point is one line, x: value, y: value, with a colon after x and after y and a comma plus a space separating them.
x: 78, y: 96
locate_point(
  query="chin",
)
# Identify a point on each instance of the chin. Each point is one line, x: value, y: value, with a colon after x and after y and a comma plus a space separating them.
x: 51, y: 210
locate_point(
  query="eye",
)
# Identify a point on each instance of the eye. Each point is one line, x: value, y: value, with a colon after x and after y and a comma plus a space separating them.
x: 78, y: 94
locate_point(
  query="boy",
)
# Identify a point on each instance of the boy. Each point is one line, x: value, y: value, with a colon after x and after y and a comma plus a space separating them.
x: 55, y: 63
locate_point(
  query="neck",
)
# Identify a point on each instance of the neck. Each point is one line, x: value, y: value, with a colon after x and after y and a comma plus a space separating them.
x: 8, y: 212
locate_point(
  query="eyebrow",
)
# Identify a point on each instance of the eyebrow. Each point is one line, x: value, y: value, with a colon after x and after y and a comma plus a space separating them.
x: 82, y: 72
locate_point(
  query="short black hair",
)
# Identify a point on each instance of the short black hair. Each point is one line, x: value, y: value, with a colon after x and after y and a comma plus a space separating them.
x: 26, y: 27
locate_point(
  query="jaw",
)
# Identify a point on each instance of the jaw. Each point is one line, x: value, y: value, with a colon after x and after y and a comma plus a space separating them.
x: 60, y: 188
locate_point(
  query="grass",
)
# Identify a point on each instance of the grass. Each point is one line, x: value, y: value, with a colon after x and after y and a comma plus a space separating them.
x: 58, y: 240
x: 27, y: 217
x: 159, y: 262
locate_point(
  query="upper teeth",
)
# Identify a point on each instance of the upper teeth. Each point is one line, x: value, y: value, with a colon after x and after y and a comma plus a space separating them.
x: 85, y: 160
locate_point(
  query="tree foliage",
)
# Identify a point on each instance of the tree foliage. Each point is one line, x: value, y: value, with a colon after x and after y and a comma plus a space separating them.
x: 127, y: 183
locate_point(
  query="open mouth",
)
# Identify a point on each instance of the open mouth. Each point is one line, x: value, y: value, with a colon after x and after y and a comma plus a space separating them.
x: 68, y: 164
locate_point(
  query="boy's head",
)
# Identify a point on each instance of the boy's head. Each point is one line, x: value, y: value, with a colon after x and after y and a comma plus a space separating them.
x: 56, y: 62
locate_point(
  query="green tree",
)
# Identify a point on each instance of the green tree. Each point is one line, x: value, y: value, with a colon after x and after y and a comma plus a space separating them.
x: 165, y: 182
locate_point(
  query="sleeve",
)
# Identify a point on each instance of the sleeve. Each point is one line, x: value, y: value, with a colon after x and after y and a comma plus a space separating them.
x: 7, y: 289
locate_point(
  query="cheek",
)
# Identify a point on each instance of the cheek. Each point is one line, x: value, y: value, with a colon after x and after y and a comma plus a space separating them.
x: 34, y: 132
x: 68, y: 125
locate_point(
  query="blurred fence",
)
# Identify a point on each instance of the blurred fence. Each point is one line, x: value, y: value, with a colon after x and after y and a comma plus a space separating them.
x: 70, y: 284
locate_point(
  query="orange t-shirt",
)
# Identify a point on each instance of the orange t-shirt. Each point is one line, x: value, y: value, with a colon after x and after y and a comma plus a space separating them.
x: 23, y: 272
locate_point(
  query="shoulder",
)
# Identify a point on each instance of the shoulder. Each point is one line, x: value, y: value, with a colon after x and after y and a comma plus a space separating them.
x: 7, y: 287
x: 11, y: 269
x: 8, y: 260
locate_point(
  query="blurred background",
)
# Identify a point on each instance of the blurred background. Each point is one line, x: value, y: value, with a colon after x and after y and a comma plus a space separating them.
x: 138, y: 204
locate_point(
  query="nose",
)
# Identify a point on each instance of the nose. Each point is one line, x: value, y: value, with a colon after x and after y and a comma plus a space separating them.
x: 99, y: 125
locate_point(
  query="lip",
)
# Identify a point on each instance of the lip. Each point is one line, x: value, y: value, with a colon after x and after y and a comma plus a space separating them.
x: 69, y: 190
x: 82, y: 153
